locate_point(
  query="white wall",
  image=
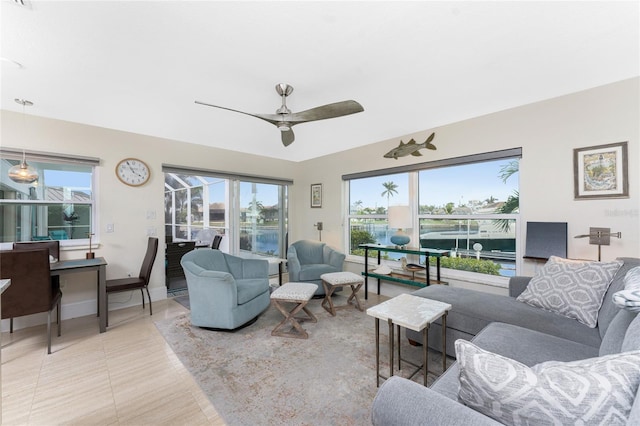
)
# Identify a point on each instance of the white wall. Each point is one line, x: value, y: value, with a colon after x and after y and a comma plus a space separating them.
x: 547, y: 132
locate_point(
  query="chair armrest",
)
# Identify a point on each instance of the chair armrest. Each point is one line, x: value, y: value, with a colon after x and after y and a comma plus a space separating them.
x: 217, y: 275
x: 255, y: 268
x: 209, y: 288
x: 333, y: 257
x: 401, y: 402
x: 293, y: 264
x: 517, y: 285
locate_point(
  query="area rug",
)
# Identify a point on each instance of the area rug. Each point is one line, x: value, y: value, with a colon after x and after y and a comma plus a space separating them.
x: 253, y: 378
x: 183, y: 299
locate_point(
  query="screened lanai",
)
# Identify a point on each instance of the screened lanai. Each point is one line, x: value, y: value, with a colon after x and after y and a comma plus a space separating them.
x: 252, y: 215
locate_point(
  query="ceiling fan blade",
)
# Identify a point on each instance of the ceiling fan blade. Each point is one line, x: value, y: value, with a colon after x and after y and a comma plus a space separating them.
x: 334, y: 110
x: 271, y: 118
x: 287, y: 137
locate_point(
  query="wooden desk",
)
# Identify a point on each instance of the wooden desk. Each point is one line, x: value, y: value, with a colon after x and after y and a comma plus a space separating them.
x: 98, y: 264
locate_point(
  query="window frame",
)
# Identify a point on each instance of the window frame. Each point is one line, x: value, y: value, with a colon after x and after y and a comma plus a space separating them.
x: 233, y: 207
x: 414, y: 201
x: 58, y: 159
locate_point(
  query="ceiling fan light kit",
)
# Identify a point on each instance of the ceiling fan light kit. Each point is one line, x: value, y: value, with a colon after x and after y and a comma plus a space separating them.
x: 284, y: 119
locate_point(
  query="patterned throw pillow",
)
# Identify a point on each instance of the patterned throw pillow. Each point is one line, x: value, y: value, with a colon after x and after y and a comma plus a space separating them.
x: 594, y: 391
x: 629, y: 298
x: 573, y: 288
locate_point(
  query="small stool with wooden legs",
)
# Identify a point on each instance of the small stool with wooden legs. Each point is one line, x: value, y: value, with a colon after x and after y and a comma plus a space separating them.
x: 300, y: 294
x: 333, y: 280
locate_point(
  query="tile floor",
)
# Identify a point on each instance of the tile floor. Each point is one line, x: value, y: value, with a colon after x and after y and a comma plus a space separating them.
x: 128, y: 375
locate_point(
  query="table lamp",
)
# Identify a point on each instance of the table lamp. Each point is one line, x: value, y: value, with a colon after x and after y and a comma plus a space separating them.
x: 399, y: 218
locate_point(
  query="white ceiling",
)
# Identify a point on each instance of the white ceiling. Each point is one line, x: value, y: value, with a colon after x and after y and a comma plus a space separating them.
x: 138, y: 66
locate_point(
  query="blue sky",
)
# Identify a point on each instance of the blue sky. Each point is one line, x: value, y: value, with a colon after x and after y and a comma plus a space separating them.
x: 438, y: 187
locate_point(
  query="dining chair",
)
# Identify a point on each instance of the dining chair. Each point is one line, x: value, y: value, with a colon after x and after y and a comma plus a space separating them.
x: 31, y: 290
x: 215, y: 244
x: 140, y: 282
x: 52, y: 245
x: 54, y: 252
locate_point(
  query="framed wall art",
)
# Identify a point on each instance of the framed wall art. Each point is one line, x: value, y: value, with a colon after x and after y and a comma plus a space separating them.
x: 601, y: 171
x: 316, y: 195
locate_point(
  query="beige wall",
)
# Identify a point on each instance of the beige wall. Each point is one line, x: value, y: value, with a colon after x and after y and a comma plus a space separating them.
x: 125, y: 207
x: 547, y: 132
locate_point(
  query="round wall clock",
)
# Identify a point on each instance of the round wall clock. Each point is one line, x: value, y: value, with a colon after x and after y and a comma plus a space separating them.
x: 133, y: 172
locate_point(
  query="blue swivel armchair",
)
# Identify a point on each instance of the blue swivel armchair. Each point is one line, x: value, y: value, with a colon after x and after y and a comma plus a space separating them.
x: 308, y: 259
x: 225, y: 292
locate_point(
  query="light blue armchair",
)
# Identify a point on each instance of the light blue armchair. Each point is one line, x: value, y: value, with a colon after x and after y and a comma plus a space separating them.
x: 308, y: 259
x: 225, y: 292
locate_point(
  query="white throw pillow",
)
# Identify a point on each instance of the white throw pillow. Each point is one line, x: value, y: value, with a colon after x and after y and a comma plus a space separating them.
x: 594, y: 391
x: 629, y: 298
x: 573, y: 288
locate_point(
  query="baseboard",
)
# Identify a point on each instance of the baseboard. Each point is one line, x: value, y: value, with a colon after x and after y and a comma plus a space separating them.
x: 85, y: 308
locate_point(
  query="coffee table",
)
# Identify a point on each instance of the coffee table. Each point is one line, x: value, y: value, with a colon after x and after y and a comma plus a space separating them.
x: 415, y: 313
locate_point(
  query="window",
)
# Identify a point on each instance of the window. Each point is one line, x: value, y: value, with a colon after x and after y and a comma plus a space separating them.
x: 193, y: 204
x: 472, y: 210
x: 467, y: 205
x: 369, y: 200
x: 250, y: 211
x: 60, y: 205
x: 263, y: 218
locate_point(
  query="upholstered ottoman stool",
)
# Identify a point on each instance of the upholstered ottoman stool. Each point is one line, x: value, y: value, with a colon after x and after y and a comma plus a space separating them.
x: 300, y: 294
x: 333, y: 280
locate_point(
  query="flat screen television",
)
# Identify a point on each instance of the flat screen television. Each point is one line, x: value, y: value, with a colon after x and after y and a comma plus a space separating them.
x: 546, y: 239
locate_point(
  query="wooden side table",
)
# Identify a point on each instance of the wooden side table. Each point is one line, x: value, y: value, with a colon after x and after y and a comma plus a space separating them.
x: 415, y: 313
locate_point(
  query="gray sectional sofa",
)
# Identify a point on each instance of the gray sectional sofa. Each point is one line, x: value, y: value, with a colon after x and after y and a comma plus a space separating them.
x: 513, y: 329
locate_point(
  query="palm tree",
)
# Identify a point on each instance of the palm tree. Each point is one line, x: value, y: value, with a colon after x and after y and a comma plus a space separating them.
x: 390, y: 189
x: 449, y: 207
x: 256, y: 207
x: 357, y: 205
x: 508, y: 170
x: 513, y: 201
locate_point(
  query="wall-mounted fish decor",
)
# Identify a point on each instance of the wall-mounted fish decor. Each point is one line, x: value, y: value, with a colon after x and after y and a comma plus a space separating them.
x: 411, y: 148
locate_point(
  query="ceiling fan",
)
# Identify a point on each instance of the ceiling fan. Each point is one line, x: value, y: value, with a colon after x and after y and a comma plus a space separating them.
x: 284, y: 119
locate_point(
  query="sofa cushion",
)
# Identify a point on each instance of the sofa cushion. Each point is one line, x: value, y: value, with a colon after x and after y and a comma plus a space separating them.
x: 631, y: 340
x: 609, y: 310
x: 629, y: 298
x: 529, y: 347
x: 474, y: 310
x: 571, y: 288
x: 616, y: 332
x: 592, y: 391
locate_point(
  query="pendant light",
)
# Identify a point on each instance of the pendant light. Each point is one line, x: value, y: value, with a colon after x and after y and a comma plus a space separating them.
x: 23, y: 173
